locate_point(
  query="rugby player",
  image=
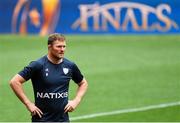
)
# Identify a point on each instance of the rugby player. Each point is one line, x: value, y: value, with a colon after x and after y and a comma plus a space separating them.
x: 50, y: 76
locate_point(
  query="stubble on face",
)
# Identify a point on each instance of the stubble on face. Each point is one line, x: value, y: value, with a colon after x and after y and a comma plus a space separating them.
x: 57, y: 50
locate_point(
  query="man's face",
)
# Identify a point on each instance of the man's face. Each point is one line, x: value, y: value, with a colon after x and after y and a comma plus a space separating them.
x: 57, y: 49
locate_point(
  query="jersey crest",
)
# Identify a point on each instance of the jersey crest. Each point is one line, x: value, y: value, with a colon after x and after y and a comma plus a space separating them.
x: 65, y: 70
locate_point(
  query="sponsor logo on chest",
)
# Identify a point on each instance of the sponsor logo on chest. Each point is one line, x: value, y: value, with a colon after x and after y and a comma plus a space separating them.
x: 47, y: 72
x: 52, y: 95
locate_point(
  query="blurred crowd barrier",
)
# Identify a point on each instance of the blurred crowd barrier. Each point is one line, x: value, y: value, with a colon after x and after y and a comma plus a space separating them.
x: 89, y: 17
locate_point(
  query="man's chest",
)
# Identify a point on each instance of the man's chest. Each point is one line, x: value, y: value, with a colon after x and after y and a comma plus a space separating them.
x: 55, y: 75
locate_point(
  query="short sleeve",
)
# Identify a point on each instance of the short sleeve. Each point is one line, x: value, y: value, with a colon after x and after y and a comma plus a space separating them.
x: 77, y: 77
x: 29, y: 70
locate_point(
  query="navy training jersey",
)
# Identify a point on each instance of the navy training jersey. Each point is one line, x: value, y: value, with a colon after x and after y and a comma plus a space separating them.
x: 51, y: 83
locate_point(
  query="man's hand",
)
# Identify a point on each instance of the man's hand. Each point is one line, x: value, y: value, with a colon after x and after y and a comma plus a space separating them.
x: 34, y: 109
x: 82, y: 87
x: 70, y: 107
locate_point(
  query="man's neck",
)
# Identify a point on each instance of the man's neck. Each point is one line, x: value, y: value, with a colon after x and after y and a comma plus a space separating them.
x: 54, y: 60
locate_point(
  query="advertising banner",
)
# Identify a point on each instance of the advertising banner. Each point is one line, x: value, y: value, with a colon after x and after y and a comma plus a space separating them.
x: 90, y: 16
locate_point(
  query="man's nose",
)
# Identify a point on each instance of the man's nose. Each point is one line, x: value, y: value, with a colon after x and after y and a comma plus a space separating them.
x: 62, y: 48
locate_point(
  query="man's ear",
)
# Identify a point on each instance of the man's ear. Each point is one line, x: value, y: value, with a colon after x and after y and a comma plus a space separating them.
x: 49, y: 46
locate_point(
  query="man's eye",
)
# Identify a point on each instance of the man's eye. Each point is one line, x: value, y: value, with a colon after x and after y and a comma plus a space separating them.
x: 61, y: 46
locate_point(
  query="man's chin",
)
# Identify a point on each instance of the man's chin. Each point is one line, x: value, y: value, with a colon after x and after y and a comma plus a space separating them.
x: 60, y: 57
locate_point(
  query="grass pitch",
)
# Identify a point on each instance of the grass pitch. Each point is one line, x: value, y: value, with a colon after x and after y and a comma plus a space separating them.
x: 123, y: 72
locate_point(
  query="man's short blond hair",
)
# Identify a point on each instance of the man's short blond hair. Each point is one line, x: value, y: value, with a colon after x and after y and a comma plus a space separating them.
x: 55, y: 36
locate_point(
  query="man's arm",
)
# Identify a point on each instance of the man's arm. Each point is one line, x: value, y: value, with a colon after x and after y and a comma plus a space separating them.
x: 82, y: 88
x: 16, y: 84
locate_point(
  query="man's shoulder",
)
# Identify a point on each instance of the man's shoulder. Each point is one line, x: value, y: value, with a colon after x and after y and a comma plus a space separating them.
x: 67, y: 61
x: 39, y: 62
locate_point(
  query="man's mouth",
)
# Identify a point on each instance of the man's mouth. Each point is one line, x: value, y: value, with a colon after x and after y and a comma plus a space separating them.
x: 61, y: 53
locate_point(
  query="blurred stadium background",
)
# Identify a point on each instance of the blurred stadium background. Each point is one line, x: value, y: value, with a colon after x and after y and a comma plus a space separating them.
x: 128, y: 51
